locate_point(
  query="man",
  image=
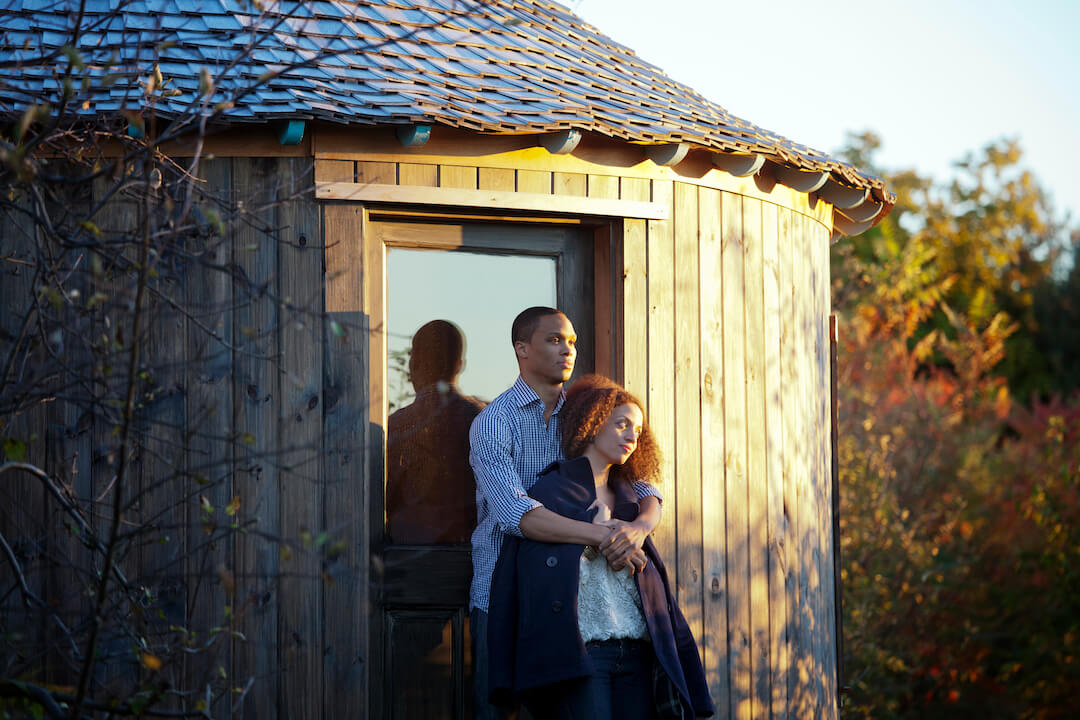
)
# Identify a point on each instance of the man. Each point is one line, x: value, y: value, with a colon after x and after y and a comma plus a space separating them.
x: 512, y: 440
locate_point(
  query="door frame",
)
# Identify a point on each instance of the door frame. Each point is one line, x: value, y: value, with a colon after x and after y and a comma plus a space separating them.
x: 606, y: 233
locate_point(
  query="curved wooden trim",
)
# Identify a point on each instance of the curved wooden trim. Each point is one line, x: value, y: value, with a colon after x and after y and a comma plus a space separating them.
x: 738, y: 164
x: 860, y: 213
x: 414, y: 135
x: 849, y: 227
x: 561, y: 143
x: 667, y: 155
x: 806, y: 181
x: 842, y: 196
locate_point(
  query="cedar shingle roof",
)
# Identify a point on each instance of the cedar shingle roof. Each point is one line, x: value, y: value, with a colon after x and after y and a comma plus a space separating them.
x: 510, y: 66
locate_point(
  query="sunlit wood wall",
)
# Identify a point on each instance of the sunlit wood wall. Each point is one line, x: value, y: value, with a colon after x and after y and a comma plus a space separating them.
x: 724, y: 311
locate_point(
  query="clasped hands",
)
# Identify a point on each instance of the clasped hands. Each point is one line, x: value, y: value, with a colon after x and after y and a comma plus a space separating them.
x: 622, y: 547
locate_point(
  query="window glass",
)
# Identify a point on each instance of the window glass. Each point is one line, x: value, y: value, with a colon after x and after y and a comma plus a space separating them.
x: 448, y: 354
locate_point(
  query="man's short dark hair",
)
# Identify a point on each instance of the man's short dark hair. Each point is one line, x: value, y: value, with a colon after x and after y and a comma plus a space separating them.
x: 528, y: 320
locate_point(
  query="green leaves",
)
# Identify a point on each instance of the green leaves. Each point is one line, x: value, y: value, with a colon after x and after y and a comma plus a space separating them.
x: 14, y: 450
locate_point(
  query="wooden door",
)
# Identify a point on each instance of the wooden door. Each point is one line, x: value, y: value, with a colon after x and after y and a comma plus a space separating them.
x: 476, y: 277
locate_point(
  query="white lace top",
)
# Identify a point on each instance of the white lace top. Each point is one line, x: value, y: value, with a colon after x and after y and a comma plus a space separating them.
x: 609, y: 604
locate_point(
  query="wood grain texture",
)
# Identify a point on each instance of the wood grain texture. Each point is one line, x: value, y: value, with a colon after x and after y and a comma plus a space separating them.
x: 534, y: 181
x: 493, y: 199
x: 255, y: 408
x: 300, y: 376
x: 756, y: 468
x: 714, y: 638
x: 688, y: 437
x: 208, y: 384
x: 345, y: 425
x: 661, y: 352
x: 635, y: 291
x: 569, y: 183
x: 735, y: 476
x: 335, y: 171
x: 503, y: 179
x: 603, y: 186
x: 418, y: 175
x: 774, y: 460
x: 376, y: 173
x: 456, y: 176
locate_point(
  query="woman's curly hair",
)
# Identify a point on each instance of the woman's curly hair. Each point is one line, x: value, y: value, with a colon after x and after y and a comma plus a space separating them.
x: 589, y: 403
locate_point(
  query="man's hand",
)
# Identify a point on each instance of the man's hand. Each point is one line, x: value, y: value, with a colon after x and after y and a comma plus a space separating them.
x: 623, y: 546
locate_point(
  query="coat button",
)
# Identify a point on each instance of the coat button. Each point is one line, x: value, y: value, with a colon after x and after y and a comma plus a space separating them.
x: 556, y: 606
x: 552, y: 561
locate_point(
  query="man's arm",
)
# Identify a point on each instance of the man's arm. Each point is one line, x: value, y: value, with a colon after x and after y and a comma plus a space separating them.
x: 497, y: 477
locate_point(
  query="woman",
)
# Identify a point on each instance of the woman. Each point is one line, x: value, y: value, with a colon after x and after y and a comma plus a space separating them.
x: 569, y: 635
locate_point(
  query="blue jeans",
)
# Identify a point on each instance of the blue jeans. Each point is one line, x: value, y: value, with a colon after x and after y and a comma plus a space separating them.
x: 620, y: 689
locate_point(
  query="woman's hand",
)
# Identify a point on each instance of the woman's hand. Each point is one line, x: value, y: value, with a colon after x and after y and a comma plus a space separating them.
x: 603, y: 513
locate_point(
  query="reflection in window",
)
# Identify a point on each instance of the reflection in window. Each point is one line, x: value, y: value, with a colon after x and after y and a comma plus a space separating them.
x: 437, y: 368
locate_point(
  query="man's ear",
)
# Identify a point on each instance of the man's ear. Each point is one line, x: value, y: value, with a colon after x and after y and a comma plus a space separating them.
x: 521, y: 349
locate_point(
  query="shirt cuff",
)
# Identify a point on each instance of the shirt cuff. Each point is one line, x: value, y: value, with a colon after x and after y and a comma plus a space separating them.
x: 644, y: 490
x: 517, y: 511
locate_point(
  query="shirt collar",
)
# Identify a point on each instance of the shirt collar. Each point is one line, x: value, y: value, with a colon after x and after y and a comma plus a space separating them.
x: 524, y: 395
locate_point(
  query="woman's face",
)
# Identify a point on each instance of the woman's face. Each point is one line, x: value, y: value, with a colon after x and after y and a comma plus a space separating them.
x: 617, y: 438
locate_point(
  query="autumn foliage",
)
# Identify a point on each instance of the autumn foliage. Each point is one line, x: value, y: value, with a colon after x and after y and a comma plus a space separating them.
x: 959, y: 453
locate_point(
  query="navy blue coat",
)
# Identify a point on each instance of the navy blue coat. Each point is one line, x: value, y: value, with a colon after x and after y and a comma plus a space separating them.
x: 533, y: 636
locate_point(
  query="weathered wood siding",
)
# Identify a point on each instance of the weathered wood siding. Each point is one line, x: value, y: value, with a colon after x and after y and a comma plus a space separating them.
x: 722, y: 311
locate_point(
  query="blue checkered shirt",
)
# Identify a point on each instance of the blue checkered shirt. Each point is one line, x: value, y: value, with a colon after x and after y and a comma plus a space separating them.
x: 510, y: 445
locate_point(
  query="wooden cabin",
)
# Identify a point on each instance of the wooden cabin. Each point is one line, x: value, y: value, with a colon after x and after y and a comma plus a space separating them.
x: 459, y: 161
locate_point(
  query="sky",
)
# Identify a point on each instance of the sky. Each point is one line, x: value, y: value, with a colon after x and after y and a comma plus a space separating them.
x: 934, y: 79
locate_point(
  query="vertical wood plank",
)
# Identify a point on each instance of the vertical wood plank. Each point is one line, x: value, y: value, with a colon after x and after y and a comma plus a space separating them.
x: 335, y: 171
x: 456, y: 176
x: 534, y: 181
x: 374, y: 297
x: 714, y: 639
x: 345, y: 390
x: 496, y: 179
x: 158, y: 436
x: 808, y: 705
x: 22, y: 510
x: 209, y: 453
x: 606, y: 186
x: 661, y: 353
x: 255, y: 408
x: 376, y: 173
x: 738, y: 550
x: 635, y: 316
x: 300, y: 430
x: 570, y: 183
x: 826, y: 593
x: 418, y: 175
x: 688, y: 407
x: 756, y: 469
x: 777, y: 530
x: 68, y: 450
x: 790, y: 411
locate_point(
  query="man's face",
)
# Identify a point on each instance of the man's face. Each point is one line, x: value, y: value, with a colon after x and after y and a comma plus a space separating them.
x: 550, y: 353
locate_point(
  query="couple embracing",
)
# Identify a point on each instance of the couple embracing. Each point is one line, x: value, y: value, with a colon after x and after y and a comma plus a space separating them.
x: 571, y: 611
